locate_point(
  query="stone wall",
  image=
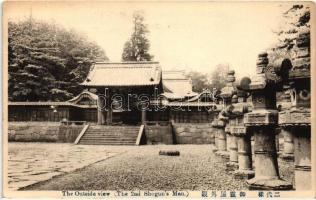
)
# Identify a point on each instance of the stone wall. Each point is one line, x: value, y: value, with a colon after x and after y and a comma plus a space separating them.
x: 42, y: 132
x: 197, y: 133
x: 158, y: 133
x: 69, y: 133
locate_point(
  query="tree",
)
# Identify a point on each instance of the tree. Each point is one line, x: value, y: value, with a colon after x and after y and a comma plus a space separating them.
x: 218, y: 76
x: 199, y: 81
x: 295, y: 20
x: 47, y: 62
x: 137, y: 47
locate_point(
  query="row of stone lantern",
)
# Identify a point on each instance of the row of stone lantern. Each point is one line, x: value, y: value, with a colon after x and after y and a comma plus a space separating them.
x: 239, y: 121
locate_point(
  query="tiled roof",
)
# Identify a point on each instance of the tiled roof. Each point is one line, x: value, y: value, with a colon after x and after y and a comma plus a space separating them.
x: 198, y: 104
x: 173, y: 74
x: 124, y: 74
x: 187, y: 103
x: 176, y: 85
x: 50, y: 103
x: 40, y: 103
x: 170, y: 95
x: 205, y: 93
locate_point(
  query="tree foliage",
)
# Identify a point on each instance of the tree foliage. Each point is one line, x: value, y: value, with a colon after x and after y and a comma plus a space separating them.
x: 219, y: 75
x: 295, y: 20
x: 199, y: 80
x: 47, y: 62
x: 215, y: 79
x: 137, y: 47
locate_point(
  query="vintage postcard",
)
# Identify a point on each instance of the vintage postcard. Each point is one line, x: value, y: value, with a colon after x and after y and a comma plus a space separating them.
x: 172, y: 99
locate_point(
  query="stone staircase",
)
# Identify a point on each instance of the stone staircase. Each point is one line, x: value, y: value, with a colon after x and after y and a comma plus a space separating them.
x: 110, y: 135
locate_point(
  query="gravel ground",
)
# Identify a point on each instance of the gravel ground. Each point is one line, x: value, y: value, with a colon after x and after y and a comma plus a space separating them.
x: 30, y: 162
x: 286, y: 170
x: 141, y: 168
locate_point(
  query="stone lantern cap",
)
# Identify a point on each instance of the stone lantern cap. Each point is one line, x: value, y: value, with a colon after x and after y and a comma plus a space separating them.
x: 258, y: 81
x: 255, y: 83
x: 229, y: 90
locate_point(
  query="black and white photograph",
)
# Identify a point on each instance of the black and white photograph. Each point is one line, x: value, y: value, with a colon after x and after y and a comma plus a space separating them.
x: 201, y: 99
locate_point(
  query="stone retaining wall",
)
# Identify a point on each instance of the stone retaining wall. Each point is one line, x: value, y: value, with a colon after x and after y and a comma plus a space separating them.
x: 42, y: 132
x: 198, y: 133
x: 158, y: 133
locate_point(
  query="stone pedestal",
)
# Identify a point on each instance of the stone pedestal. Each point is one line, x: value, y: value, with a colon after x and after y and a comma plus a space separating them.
x: 297, y: 122
x: 227, y: 141
x: 245, y: 170
x: 232, y: 165
x: 252, y: 141
x: 288, y: 145
x: 222, y: 147
x: 215, y: 130
x: 215, y: 147
x: 214, y: 140
x: 266, y: 171
x: 302, y: 161
x: 277, y: 142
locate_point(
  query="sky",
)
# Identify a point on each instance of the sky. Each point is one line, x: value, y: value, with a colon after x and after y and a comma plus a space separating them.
x: 183, y: 35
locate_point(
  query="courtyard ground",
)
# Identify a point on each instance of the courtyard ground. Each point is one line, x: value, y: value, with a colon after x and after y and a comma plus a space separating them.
x: 33, y: 162
x: 141, y: 168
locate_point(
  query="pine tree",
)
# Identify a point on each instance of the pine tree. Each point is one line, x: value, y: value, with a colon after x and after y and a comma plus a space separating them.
x: 137, y: 47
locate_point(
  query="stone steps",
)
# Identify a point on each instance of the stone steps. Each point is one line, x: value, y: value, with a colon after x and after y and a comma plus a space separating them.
x: 110, y: 135
x: 110, y: 143
x: 109, y: 139
x: 105, y: 132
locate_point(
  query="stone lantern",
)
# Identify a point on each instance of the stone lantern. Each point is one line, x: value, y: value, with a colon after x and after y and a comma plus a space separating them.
x: 214, y: 145
x: 227, y: 93
x: 297, y: 119
x: 221, y: 136
x: 263, y: 121
x: 243, y: 135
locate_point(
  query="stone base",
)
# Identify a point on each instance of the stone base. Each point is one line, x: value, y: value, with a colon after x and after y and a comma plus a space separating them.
x: 287, y: 157
x: 223, y: 154
x: 214, y: 149
x: 231, y: 166
x: 244, y: 174
x: 269, y: 184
